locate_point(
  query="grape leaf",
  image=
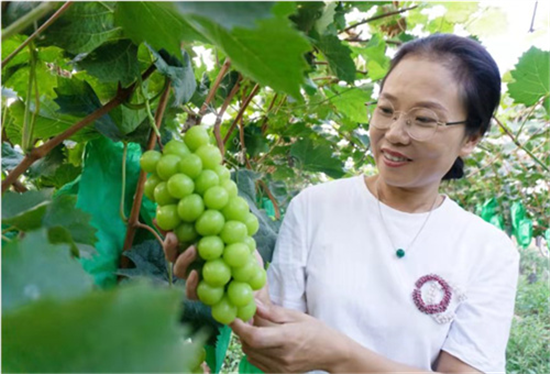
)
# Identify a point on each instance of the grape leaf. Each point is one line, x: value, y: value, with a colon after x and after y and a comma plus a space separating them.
x: 532, y: 78
x: 148, y: 258
x: 338, y: 57
x: 34, y: 269
x: 10, y: 157
x: 84, y: 27
x: 25, y: 210
x: 133, y: 328
x: 351, y: 101
x: 113, y: 62
x: 180, y: 74
x: 316, y: 157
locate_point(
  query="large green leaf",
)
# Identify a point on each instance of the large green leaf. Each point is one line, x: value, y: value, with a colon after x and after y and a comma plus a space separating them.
x: 351, y: 101
x: 25, y: 210
x: 84, y: 27
x: 17, y: 78
x: 338, y: 57
x: 10, y: 157
x: 113, y: 62
x: 532, y: 78
x: 33, y: 269
x: 131, y: 329
x: 316, y: 157
x: 156, y: 23
x: 374, y: 52
x: 272, y: 53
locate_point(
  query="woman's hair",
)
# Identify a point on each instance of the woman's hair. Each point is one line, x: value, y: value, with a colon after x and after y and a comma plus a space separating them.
x: 473, y: 69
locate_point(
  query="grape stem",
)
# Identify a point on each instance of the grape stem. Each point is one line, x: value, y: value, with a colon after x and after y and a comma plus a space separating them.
x: 272, y: 198
x: 225, y: 105
x: 124, y: 153
x: 41, y: 151
x: 241, y: 112
x: 133, y: 221
x: 151, y: 230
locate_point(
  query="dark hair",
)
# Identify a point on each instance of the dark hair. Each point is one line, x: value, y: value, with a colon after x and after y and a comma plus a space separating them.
x: 474, y: 70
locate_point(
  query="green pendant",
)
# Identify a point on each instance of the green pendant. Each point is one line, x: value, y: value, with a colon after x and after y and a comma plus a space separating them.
x: 400, y: 253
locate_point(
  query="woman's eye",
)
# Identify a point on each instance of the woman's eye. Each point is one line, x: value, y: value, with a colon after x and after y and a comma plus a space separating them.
x: 385, y: 110
x: 425, y: 120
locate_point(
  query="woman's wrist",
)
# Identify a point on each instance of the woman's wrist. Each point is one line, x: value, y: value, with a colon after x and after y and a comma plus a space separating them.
x: 340, y: 354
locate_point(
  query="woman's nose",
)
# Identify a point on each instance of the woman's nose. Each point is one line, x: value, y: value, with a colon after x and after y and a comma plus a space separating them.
x: 398, y: 130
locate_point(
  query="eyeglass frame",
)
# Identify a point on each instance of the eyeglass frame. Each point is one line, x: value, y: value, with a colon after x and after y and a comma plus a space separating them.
x: 439, y: 123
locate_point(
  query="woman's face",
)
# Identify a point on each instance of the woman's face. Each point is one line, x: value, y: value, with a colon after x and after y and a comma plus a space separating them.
x: 405, y: 162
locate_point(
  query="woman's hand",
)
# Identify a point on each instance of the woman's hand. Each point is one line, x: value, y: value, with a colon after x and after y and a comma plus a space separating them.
x: 293, y: 342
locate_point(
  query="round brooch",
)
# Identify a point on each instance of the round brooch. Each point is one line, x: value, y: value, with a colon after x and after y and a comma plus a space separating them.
x: 431, y: 308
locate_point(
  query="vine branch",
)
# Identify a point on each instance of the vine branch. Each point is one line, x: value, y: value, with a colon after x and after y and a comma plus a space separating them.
x: 241, y: 112
x: 39, y: 152
x: 9, y: 31
x: 226, y: 102
x: 213, y: 89
x: 272, y: 198
x: 389, y: 14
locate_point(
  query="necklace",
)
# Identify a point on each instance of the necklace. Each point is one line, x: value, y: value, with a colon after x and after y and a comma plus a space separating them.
x: 400, y: 252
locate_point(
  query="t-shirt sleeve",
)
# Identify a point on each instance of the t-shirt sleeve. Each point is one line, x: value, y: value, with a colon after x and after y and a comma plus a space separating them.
x: 480, y: 331
x: 286, y: 273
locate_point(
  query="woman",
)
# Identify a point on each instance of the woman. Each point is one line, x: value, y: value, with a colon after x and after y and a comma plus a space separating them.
x: 385, y: 273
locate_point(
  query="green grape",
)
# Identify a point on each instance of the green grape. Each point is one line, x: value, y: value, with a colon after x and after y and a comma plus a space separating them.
x: 210, y: 223
x: 176, y: 147
x: 208, y: 294
x: 216, y: 272
x: 191, y: 165
x: 244, y: 273
x: 258, y: 279
x: 206, y: 180
x: 161, y: 194
x: 149, y: 187
x: 186, y: 232
x: 210, y: 156
x: 236, y: 255
x: 251, y: 243
x: 222, y: 172
x: 195, y: 137
x: 216, y: 197
x: 230, y: 187
x: 252, y: 224
x: 167, y: 217
x: 210, y: 247
x: 149, y: 160
x: 190, y: 208
x: 245, y: 313
x: 236, y: 209
x: 167, y: 166
x: 224, y: 312
x: 180, y: 185
x: 233, y: 232
x: 239, y: 293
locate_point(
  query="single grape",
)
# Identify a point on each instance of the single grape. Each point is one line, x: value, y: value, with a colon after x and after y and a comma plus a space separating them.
x: 222, y: 172
x: 180, y: 185
x: 236, y: 255
x: 230, y: 187
x: 190, y: 208
x: 206, y: 180
x: 162, y: 196
x: 224, y: 312
x: 236, y: 209
x: 210, y: 223
x: 208, y: 294
x: 167, y: 217
x: 149, y: 187
x: 195, y: 137
x: 191, y: 165
x: 149, y: 160
x: 245, y: 313
x: 167, y: 166
x: 216, y: 272
x: 252, y: 224
x: 186, y: 232
x: 176, y: 147
x: 210, y: 247
x: 244, y: 273
x: 239, y: 293
x: 258, y: 279
x: 233, y: 232
x: 210, y: 156
x: 216, y: 197
x: 251, y: 243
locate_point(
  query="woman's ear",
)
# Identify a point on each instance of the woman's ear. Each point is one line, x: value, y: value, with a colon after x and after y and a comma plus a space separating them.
x: 469, y: 144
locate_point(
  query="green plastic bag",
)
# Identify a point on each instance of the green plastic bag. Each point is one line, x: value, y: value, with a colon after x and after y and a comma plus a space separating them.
x: 488, y: 210
x: 525, y: 232
x: 246, y: 367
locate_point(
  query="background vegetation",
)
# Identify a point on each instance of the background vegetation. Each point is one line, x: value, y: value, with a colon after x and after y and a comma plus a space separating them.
x: 87, y: 87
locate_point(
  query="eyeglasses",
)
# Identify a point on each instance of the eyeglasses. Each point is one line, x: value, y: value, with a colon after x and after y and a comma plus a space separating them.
x: 421, y: 123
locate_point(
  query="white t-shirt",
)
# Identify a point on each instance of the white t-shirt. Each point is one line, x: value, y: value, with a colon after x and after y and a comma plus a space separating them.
x: 333, y: 260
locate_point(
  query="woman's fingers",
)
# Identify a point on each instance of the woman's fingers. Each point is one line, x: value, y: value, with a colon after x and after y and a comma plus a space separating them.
x: 183, y: 261
x: 170, y: 247
x: 191, y: 285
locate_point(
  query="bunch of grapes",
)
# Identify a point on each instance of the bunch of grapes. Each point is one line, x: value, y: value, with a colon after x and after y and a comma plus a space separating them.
x: 198, y: 201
